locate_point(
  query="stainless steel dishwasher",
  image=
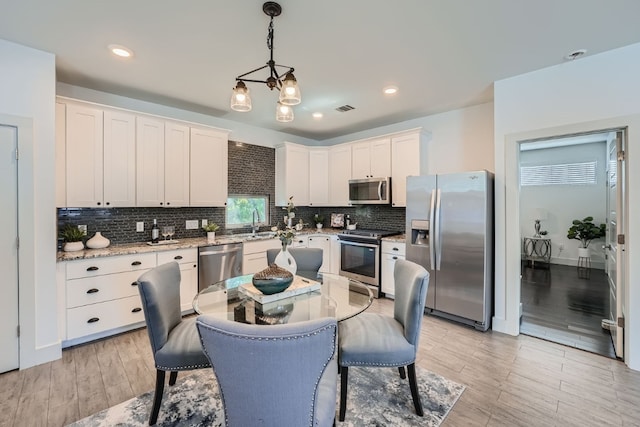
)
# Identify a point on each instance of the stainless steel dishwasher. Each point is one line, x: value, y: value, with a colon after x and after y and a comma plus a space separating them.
x: 218, y: 262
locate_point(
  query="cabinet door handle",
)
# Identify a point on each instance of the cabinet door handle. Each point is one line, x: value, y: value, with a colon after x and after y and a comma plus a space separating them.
x: 108, y: 203
x: 92, y: 291
x: 395, y: 257
x: 136, y: 263
x: 93, y: 320
x: 136, y: 310
x: 395, y: 249
x: 177, y: 257
x: 168, y: 203
x: 99, y: 203
x: 161, y: 203
x: 134, y: 283
x: 93, y: 268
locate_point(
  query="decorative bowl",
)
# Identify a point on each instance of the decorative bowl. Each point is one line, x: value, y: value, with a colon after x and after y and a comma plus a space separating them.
x: 272, y: 280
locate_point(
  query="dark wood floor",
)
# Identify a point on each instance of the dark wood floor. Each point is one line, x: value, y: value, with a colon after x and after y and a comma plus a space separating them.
x: 566, y: 305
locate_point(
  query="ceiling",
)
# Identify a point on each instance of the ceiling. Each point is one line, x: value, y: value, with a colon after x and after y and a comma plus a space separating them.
x: 442, y: 55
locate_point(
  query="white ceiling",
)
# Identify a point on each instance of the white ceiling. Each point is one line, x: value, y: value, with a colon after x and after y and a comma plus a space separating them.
x: 442, y: 55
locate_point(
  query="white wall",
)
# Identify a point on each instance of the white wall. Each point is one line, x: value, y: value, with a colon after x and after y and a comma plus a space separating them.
x: 27, y: 85
x: 461, y: 140
x: 592, y: 93
x: 239, y: 131
x: 563, y: 203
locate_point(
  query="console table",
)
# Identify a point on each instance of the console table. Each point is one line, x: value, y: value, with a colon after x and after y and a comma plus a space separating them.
x: 537, y: 249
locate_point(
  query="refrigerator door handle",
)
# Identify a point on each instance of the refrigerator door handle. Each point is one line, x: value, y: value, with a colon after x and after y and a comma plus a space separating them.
x: 432, y: 237
x: 437, y: 230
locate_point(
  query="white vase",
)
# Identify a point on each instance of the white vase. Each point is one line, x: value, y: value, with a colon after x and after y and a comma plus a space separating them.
x: 319, y: 226
x: 98, y: 241
x: 286, y: 261
x: 73, y: 246
x: 211, y: 236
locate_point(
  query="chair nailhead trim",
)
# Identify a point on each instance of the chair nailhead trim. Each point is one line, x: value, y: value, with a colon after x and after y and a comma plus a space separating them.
x: 182, y: 368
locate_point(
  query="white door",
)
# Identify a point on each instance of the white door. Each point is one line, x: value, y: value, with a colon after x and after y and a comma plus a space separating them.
x: 9, y: 249
x: 615, y: 228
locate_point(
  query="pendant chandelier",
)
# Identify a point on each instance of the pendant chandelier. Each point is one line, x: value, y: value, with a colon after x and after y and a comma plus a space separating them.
x: 285, y: 83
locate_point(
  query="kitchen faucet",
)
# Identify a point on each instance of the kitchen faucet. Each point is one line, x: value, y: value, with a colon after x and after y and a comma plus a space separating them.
x: 255, y: 227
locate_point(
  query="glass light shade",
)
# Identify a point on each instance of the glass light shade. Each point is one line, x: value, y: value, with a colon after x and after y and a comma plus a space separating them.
x: 290, y: 92
x: 284, y: 113
x: 240, y: 99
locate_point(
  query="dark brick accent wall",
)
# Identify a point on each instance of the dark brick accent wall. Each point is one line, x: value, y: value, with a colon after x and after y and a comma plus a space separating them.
x: 251, y: 172
x: 367, y: 216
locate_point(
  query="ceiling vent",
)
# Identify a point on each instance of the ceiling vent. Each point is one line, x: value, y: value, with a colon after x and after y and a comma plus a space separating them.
x: 345, y: 108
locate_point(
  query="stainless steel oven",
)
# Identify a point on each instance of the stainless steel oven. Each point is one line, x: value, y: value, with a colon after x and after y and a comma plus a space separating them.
x: 360, y: 256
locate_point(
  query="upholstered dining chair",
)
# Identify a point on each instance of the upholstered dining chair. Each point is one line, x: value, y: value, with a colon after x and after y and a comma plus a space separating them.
x: 174, y: 341
x: 308, y: 260
x: 376, y: 340
x: 276, y: 375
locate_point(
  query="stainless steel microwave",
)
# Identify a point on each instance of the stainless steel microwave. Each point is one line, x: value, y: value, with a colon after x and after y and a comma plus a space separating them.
x: 370, y: 191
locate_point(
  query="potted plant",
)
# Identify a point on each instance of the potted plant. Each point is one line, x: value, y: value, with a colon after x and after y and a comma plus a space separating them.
x: 211, y: 229
x: 585, y: 231
x: 72, y: 236
x: 318, y: 220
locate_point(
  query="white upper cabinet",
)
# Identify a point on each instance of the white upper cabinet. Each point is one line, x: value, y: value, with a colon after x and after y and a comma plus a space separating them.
x: 318, y: 177
x: 209, y: 167
x: 408, y: 158
x: 371, y: 159
x: 150, y: 162
x: 176, y: 164
x: 84, y: 156
x: 162, y: 173
x: 61, y: 154
x: 292, y: 174
x: 119, y: 159
x: 339, y: 174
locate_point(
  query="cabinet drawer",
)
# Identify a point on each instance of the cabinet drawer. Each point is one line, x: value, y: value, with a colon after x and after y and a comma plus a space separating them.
x: 91, y: 319
x: 397, y: 248
x: 99, y: 266
x: 260, y: 246
x: 91, y: 290
x: 180, y: 256
x: 300, y: 242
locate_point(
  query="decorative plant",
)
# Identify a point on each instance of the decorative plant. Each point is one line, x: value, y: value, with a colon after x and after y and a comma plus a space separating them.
x: 211, y: 227
x: 585, y: 231
x: 290, y: 207
x: 318, y: 219
x: 71, y: 233
x: 286, y: 236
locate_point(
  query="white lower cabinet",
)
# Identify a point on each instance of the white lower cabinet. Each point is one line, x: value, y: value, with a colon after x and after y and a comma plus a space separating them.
x: 188, y: 261
x: 322, y: 241
x: 254, y: 254
x: 391, y: 252
x: 335, y: 254
x: 102, y: 297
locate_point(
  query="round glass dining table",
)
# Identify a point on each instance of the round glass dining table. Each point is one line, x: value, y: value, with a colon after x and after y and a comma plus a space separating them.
x: 338, y: 297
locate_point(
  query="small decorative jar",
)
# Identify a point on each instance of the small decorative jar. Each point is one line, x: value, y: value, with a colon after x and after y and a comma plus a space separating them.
x: 73, y: 246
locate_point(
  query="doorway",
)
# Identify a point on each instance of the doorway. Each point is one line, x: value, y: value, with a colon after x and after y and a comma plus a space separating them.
x: 565, y: 296
x: 9, y: 356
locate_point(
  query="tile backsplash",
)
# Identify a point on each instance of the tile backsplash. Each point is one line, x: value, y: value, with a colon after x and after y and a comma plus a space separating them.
x: 251, y: 172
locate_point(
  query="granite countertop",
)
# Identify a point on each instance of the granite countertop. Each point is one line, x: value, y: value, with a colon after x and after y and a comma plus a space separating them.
x: 400, y: 238
x: 143, y: 247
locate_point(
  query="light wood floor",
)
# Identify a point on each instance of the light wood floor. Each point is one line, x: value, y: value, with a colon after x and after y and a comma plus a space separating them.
x: 511, y: 381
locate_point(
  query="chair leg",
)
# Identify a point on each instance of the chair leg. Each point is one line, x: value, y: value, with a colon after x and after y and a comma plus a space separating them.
x: 173, y: 376
x: 157, y: 398
x: 344, y: 373
x: 402, y: 374
x: 413, y: 384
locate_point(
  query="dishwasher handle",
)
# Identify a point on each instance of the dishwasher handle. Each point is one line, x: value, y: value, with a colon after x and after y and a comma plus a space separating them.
x: 219, y: 251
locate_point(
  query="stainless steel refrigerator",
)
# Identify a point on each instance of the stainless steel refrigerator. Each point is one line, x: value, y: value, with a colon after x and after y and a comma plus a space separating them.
x: 450, y: 232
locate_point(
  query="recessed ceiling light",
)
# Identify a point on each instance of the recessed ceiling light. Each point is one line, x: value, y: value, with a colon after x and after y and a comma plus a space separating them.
x: 575, y: 54
x: 317, y: 115
x: 390, y: 90
x: 121, y: 51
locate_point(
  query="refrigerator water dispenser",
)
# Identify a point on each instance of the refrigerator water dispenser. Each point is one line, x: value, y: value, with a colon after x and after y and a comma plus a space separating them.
x: 420, y: 232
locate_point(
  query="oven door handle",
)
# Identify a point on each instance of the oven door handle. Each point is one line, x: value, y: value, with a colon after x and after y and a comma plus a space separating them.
x: 366, y: 245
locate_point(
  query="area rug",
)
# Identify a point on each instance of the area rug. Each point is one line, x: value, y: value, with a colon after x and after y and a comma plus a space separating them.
x: 377, y: 397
